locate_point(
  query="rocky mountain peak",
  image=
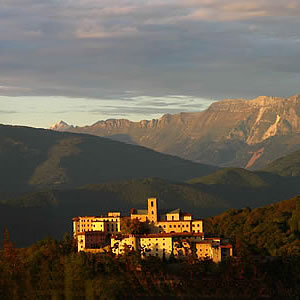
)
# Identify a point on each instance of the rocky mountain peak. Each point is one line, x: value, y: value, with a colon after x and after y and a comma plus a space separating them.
x: 61, y: 126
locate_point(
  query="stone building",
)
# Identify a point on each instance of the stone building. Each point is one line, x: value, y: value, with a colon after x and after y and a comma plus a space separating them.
x: 173, y: 233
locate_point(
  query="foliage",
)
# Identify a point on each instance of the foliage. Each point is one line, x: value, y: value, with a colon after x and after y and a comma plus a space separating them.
x: 134, y: 226
x: 51, y: 269
x: 270, y: 230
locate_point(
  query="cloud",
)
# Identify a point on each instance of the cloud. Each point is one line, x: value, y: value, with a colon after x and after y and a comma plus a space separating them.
x: 7, y: 111
x: 101, y: 49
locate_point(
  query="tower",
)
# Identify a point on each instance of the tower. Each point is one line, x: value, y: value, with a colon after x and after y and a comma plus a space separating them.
x: 152, y: 210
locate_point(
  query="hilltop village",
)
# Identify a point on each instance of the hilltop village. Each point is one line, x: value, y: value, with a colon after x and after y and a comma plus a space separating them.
x: 151, y: 233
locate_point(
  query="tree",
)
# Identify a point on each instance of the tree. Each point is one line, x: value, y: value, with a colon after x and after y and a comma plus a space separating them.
x: 134, y: 226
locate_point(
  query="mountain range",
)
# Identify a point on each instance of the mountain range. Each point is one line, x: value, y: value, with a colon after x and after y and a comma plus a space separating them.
x: 232, y: 132
x: 48, y: 177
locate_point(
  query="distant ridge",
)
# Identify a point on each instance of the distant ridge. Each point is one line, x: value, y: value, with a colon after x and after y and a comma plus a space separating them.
x: 285, y: 166
x: 33, y: 159
x: 231, y: 132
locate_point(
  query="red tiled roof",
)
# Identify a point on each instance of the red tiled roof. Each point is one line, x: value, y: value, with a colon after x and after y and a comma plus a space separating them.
x: 226, y: 246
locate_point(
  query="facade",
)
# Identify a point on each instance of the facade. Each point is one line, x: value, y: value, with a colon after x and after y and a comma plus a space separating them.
x: 109, y: 224
x: 180, y: 245
x: 159, y: 245
x: 212, y: 249
x: 173, y: 233
x: 90, y: 240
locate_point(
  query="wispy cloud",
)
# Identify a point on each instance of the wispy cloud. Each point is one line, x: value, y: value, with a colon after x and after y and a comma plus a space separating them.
x: 82, y: 111
x: 7, y: 111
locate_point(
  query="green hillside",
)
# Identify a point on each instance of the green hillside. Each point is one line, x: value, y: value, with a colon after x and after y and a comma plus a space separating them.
x: 269, y: 230
x: 33, y: 159
x: 233, y: 176
x: 123, y: 195
x: 285, y: 166
x: 247, y: 188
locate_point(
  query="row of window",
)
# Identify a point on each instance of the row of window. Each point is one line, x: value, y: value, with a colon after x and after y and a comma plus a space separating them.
x: 156, y: 249
x: 112, y: 227
x: 174, y: 226
x: 105, y: 220
x: 198, y: 225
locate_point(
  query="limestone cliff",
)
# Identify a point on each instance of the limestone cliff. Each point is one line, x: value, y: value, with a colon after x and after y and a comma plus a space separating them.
x: 212, y: 136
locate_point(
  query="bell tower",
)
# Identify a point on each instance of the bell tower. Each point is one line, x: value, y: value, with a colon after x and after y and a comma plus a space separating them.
x: 152, y: 210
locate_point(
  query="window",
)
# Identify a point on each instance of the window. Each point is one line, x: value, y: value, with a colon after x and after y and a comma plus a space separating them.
x: 187, y: 225
x: 151, y: 203
x: 174, y: 226
x: 152, y: 212
x: 172, y: 217
x: 197, y: 225
x: 193, y: 225
x: 164, y: 226
x: 170, y: 226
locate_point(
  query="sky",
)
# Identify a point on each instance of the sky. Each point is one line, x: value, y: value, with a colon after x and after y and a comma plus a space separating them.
x: 87, y: 60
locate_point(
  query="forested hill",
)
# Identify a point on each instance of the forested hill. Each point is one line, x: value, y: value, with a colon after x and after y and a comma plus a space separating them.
x: 269, y: 230
x: 32, y: 159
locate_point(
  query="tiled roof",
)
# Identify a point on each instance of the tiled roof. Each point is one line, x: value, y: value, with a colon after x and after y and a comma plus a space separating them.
x: 226, y: 246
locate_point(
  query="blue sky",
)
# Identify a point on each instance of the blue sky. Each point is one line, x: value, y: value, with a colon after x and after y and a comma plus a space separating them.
x: 87, y: 60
